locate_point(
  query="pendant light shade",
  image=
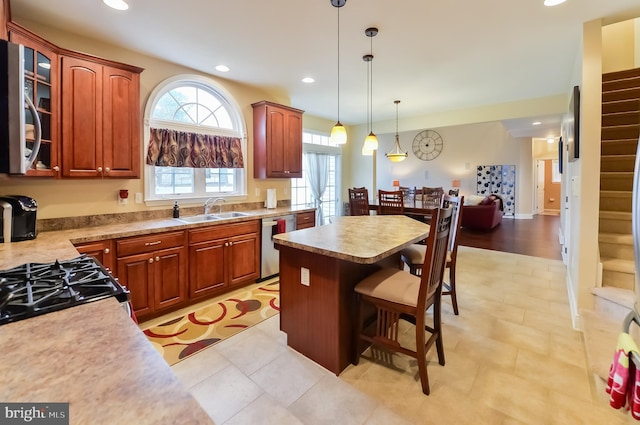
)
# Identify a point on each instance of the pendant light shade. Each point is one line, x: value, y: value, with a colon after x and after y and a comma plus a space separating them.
x: 370, y: 144
x: 338, y: 132
x: 396, y: 155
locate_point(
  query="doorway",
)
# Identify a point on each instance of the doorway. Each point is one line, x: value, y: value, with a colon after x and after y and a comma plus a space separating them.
x: 547, y: 187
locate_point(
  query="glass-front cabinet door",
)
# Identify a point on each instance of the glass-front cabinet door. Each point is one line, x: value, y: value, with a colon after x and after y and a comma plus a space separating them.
x: 41, y: 67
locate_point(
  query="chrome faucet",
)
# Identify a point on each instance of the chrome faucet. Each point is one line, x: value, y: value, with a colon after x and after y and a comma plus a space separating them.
x: 210, y: 203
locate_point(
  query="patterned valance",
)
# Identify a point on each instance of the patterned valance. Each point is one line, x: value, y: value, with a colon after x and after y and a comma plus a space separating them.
x: 172, y: 148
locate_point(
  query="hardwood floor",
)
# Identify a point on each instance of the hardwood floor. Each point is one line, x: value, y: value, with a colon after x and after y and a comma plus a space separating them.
x: 537, y: 237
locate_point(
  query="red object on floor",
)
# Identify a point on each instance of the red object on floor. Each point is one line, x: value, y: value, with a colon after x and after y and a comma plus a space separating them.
x: 281, y: 226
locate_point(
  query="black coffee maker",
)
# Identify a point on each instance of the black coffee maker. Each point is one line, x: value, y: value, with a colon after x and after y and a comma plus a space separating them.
x: 23, y: 217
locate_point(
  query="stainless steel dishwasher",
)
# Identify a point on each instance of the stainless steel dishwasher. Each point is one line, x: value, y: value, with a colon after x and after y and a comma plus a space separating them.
x: 270, y: 258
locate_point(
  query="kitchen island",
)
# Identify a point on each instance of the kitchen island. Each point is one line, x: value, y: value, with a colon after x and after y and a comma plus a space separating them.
x: 320, y: 266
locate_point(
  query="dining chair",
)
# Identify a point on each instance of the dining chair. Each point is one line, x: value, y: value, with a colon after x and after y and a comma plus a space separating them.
x: 396, y: 294
x: 413, y: 256
x: 432, y: 197
x: 390, y: 202
x: 406, y: 192
x: 359, y: 201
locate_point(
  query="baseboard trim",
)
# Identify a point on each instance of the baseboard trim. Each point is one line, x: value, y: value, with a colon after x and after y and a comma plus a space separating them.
x: 523, y: 216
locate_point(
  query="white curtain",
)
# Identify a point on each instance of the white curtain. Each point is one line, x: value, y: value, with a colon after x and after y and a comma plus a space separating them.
x: 317, y: 173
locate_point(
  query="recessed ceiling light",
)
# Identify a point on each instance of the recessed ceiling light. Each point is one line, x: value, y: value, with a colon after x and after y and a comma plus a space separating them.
x: 536, y: 123
x: 116, y: 4
x: 553, y: 2
x: 308, y: 80
x: 222, y: 68
x: 551, y: 140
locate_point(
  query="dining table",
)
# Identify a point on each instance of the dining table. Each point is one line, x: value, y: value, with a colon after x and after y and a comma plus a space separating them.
x: 319, y: 268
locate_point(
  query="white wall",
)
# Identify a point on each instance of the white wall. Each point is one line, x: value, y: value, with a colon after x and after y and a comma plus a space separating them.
x: 465, y: 147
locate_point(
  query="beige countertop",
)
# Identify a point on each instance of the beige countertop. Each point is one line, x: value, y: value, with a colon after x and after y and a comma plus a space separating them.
x: 49, y: 246
x: 94, y: 357
x: 359, y: 239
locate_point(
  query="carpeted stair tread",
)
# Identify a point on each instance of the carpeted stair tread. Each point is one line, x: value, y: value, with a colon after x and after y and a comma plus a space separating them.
x: 620, y: 296
x: 618, y: 265
x: 600, y: 338
x: 615, y: 215
x: 617, y: 238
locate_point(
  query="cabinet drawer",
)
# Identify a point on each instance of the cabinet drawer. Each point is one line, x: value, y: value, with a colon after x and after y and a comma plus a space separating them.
x: 305, y: 219
x: 222, y: 231
x: 142, y: 244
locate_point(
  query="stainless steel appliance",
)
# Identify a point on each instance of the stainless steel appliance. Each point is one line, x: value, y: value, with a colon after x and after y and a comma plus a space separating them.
x: 20, y: 127
x: 34, y: 289
x: 22, y: 225
x: 270, y: 257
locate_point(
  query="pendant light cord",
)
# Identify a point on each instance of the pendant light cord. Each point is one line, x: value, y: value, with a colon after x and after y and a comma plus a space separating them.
x: 338, y: 64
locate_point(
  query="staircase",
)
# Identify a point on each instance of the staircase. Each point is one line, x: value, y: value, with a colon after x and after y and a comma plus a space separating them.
x: 619, y: 140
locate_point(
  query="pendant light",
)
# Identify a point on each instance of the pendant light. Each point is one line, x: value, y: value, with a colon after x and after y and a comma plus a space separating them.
x: 397, y: 155
x: 338, y: 132
x: 371, y: 141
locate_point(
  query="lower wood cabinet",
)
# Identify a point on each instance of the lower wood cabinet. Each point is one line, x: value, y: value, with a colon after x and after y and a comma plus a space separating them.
x: 154, y: 269
x: 100, y: 250
x: 223, y: 256
x: 305, y: 220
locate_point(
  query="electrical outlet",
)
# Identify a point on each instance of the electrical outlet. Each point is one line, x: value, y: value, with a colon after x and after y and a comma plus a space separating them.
x: 285, y: 191
x: 138, y: 198
x: 304, y: 276
x: 257, y: 191
x: 124, y: 201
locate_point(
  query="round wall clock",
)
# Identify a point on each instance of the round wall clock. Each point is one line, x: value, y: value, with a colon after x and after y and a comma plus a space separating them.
x: 427, y: 145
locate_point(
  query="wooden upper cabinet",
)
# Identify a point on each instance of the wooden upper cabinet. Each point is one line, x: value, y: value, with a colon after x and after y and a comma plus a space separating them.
x: 100, y: 120
x: 277, y: 141
x: 41, y: 77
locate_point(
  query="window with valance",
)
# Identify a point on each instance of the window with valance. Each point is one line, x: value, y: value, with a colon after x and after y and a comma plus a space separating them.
x: 195, y: 141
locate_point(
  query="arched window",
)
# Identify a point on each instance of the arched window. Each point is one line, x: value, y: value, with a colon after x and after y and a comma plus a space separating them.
x: 195, y: 142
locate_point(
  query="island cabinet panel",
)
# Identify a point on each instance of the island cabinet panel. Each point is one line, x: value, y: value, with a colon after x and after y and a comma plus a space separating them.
x: 100, y: 120
x: 154, y: 269
x: 102, y: 251
x: 222, y: 256
x: 323, y: 309
x: 277, y: 141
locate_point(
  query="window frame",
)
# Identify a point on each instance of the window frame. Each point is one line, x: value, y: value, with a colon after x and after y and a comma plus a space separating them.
x: 334, y: 150
x: 239, y: 130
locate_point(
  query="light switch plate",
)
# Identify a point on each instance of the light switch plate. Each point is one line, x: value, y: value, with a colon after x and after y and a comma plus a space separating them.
x: 138, y: 198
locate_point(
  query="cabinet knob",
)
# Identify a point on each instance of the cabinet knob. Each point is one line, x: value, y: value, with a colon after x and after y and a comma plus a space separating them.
x: 99, y: 169
x: 107, y: 250
x: 56, y: 168
x: 157, y: 258
x: 150, y: 260
x: 107, y: 169
x: 226, y: 244
x: 230, y: 243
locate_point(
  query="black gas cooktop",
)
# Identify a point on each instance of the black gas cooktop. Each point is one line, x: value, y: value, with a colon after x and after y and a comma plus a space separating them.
x: 33, y: 289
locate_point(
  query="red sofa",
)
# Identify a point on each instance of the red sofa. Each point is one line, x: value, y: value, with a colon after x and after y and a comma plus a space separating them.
x: 485, y: 216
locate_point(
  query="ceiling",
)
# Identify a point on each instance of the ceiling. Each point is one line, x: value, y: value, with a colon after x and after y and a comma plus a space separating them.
x: 435, y: 56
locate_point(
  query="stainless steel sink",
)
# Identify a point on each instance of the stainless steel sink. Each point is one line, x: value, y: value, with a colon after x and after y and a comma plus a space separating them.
x: 199, y: 218
x: 232, y: 214
x: 212, y: 217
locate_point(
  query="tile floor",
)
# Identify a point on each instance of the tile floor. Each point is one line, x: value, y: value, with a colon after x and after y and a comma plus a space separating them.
x: 512, y: 357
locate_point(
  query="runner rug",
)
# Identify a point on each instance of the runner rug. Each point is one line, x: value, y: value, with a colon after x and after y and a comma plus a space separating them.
x: 184, y: 336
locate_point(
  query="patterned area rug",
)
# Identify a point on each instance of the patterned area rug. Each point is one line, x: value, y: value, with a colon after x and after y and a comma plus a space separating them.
x: 184, y: 336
